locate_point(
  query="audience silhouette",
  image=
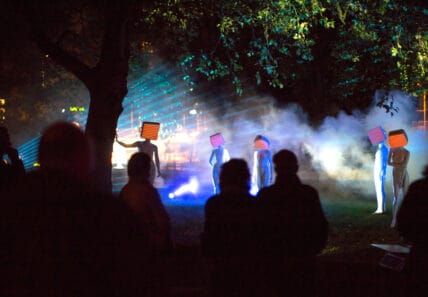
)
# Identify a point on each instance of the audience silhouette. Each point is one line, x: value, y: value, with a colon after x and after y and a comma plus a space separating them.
x: 145, y: 202
x: 295, y: 230
x: 60, y: 238
x: 229, y: 237
x: 412, y: 224
x: 11, y: 166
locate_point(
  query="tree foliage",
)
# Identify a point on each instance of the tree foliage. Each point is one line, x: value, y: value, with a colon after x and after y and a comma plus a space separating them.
x: 338, y: 51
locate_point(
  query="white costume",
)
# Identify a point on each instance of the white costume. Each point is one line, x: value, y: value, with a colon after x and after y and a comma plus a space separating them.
x: 219, y: 155
x: 379, y: 173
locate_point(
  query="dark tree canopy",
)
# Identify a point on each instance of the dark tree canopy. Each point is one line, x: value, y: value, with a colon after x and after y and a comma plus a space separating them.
x: 322, y: 54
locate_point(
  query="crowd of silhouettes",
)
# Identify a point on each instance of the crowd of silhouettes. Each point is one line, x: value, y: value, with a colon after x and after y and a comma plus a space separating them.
x: 264, y: 246
x: 61, y: 237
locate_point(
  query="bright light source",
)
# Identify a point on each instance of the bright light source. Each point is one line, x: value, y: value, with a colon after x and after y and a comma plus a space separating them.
x: 193, y: 112
x: 191, y: 187
x: 331, y: 158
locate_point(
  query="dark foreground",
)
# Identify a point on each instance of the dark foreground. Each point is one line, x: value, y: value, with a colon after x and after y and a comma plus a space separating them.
x: 348, y: 266
x: 337, y: 276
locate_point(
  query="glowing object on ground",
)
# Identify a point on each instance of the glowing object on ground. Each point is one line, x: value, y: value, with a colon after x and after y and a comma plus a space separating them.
x: 191, y: 187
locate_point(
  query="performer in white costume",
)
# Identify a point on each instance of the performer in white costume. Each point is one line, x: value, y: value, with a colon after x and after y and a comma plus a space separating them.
x: 219, y: 155
x: 262, y: 163
x: 379, y: 174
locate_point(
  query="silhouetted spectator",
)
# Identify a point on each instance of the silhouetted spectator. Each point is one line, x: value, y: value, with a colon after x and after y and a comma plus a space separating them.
x: 62, y: 239
x: 145, y: 202
x: 11, y: 166
x: 412, y: 224
x: 295, y: 229
x: 229, y: 235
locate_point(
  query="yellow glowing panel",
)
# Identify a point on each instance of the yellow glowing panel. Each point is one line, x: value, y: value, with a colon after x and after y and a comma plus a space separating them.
x: 397, y: 138
x: 150, y: 130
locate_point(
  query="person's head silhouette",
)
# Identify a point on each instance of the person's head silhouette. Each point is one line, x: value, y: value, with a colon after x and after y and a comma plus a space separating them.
x: 139, y: 166
x: 285, y: 162
x: 235, y: 174
x: 63, y: 147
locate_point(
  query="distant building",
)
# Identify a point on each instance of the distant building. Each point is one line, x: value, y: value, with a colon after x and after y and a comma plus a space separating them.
x: 422, y: 122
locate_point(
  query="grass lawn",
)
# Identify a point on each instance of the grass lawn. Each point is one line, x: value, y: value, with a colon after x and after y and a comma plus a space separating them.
x: 353, y: 227
x: 348, y: 266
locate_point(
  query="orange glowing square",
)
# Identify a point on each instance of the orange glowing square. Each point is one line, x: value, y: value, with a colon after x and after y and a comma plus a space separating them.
x: 397, y: 138
x: 150, y: 130
x: 376, y: 135
x: 260, y: 144
x: 216, y: 139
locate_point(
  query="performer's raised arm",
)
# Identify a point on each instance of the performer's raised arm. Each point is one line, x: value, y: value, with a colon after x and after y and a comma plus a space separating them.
x: 125, y: 144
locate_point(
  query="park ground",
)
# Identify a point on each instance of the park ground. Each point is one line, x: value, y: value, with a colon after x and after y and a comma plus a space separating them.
x: 348, y: 266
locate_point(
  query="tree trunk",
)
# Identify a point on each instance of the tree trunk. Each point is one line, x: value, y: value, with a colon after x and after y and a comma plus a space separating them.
x: 108, y: 87
x: 100, y: 129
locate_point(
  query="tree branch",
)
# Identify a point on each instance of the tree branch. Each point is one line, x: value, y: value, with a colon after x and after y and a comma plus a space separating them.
x: 60, y: 56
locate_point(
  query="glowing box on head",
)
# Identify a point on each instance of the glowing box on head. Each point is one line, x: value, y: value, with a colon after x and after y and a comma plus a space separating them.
x: 150, y: 130
x: 261, y: 144
x: 216, y: 139
x: 397, y: 138
x: 377, y: 135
